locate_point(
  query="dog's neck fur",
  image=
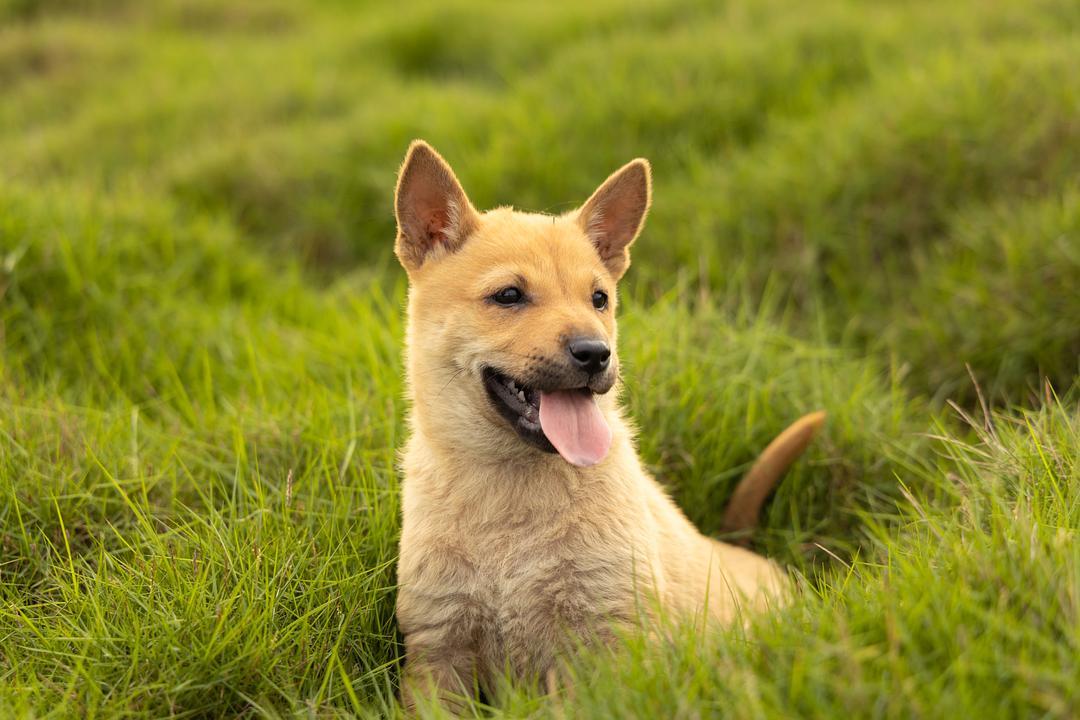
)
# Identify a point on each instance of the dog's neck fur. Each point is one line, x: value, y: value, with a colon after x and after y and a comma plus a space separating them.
x: 531, y: 490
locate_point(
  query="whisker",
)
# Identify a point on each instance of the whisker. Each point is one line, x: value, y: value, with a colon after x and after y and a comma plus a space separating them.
x: 452, y: 378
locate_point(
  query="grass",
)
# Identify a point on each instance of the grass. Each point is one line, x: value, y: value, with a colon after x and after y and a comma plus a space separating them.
x: 952, y: 612
x: 873, y: 209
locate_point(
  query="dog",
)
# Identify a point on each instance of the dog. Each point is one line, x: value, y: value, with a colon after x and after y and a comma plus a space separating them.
x: 527, y: 518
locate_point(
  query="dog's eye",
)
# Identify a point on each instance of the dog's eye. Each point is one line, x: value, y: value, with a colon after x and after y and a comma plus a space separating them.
x: 509, y: 296
x: 599, y: 299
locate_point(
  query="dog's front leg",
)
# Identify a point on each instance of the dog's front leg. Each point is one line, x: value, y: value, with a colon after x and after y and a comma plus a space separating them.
x: 442, y: 620
x: 444, y: 672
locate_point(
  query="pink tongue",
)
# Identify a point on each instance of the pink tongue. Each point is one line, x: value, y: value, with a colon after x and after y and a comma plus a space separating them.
x: 571, y: 420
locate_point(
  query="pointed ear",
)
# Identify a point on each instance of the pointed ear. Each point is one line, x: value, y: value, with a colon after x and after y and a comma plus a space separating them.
x: 614, y: 215
x: 434, y: 216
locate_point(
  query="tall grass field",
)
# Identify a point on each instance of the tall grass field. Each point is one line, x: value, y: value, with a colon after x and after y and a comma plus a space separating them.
x: 867, y: 207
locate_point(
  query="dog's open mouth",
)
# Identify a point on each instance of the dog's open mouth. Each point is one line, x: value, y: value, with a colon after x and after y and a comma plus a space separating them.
x: 518, y: 404
x: 566, y: 421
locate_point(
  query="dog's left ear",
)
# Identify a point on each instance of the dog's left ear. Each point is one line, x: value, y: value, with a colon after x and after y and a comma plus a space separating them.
x: 614, y: 215
x: 434, y: 215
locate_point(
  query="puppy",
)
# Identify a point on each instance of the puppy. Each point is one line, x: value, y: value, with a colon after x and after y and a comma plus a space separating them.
x: 527, y: 517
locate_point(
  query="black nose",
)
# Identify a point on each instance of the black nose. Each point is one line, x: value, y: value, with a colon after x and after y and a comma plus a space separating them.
x: 592, y: 356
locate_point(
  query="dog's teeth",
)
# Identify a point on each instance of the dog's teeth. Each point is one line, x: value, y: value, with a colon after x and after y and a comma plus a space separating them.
x: 521, y: 395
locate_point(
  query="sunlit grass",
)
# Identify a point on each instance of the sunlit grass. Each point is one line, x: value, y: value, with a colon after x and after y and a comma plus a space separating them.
x: 871, y: 209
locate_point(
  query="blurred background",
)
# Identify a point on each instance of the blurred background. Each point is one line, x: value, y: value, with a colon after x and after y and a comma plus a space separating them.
x: 872, y: 207
x: 886, y: 164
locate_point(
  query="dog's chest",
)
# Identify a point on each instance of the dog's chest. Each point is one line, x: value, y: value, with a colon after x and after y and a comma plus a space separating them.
x: 546, y: 579
x: 526, y: 576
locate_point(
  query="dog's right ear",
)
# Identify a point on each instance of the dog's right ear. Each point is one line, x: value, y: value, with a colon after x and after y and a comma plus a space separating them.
x: 434, y: 216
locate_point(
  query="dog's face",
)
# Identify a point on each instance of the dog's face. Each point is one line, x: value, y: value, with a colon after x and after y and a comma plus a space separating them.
x: 512, y: 315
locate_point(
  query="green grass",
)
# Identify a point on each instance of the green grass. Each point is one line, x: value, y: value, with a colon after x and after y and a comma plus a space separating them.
x: 872, y: 208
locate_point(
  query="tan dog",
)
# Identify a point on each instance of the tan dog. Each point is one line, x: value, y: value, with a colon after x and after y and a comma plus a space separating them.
x: 527, y: 517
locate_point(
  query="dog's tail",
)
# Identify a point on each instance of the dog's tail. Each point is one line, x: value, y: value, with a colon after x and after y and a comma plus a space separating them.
x: 742, y: 511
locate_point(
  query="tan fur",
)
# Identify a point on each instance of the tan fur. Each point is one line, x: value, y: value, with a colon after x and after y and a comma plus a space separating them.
x: 744, y: 507
x: 508, y: 551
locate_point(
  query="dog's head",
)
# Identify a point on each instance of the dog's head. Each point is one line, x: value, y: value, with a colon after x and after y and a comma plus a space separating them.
x: 512, y: 315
